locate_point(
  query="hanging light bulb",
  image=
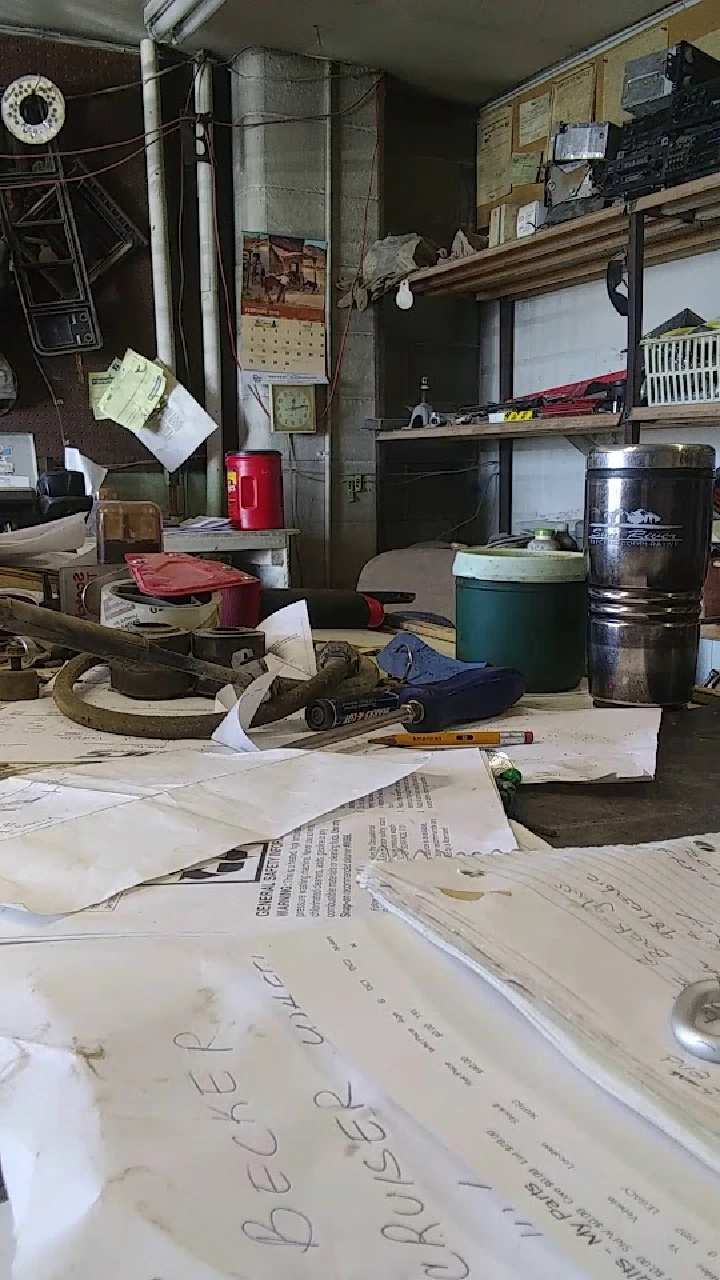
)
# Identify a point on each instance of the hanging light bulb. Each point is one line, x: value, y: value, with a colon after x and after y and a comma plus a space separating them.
x: 404, y: 297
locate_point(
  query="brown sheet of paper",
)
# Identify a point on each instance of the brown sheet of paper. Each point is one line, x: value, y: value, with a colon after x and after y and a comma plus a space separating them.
x: 534, y: 120
x: 494, y: 154
x: 573, y: 100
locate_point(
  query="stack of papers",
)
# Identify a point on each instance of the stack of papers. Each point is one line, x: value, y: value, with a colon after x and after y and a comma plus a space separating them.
x: 448, y: 806
x: 612, y: 1193
x: 70, y: 838
x: 593, y: 945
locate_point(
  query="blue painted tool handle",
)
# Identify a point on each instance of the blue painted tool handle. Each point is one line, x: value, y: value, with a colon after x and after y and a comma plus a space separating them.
x: 465, y: 697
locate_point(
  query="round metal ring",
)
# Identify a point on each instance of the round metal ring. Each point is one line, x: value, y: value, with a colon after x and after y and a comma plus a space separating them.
x: 687, y: 1010
x: 50, y: 105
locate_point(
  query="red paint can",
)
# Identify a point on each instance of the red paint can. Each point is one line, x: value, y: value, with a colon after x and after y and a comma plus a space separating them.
x: 255, y: 489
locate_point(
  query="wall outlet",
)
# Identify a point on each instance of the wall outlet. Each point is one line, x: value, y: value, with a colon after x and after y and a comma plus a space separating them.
x: 354, y: 485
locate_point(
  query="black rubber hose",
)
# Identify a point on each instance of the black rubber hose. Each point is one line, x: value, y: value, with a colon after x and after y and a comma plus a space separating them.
x: 104, y: 720
x: 200, y: 725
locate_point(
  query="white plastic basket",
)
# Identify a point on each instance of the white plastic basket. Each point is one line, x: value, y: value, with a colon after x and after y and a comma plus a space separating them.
x: 683, y: 370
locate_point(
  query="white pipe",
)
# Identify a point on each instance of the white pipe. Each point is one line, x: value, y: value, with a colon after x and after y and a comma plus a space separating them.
x: 175, y: 20
x: 328, y: 472
x: 157, y: 206
x: 209, y: 291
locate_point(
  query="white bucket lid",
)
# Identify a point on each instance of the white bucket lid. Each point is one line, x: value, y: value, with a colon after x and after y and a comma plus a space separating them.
x: 511, y: 564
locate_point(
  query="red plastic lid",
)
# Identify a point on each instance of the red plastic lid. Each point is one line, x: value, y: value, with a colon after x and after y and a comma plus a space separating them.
x: 377, y: 612
x: 175, y: 573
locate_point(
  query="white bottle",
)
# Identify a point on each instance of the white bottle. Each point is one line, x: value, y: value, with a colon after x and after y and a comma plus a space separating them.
x: 543, y: 540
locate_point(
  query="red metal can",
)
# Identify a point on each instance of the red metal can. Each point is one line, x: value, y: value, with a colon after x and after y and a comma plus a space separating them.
x: 255, y: 489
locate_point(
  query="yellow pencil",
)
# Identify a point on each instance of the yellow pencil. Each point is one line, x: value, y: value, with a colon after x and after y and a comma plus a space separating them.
x: 470, y: 738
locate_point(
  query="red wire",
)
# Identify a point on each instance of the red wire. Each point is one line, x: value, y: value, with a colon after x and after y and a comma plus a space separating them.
x: 358, y: 274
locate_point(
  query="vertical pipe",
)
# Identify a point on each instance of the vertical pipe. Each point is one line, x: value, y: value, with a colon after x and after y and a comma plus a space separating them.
x: 507, y: 371
x: 209, y: 290
x: 330, y: 147
x: 636, y: 289
x: 157, y: 205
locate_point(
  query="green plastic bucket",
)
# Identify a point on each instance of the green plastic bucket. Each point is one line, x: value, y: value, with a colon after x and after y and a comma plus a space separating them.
x: 526, y: 610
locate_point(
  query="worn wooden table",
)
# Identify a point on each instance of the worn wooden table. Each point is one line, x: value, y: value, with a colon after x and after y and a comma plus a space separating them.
x: 683, y: 800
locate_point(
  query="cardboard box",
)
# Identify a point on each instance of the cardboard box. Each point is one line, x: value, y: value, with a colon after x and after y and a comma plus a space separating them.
x: 503, y: 225
x: 72, y: 582
x: 529, y: 218
x: 518, y: 196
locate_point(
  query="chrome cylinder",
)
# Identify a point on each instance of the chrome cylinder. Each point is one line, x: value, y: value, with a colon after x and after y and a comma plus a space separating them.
x: 648, y: 513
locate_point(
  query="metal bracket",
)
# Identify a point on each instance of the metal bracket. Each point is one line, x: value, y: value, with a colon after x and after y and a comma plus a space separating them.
x: 586, y: 443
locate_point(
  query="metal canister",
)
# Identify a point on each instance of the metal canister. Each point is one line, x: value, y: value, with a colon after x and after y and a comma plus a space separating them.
x: 648, y: 511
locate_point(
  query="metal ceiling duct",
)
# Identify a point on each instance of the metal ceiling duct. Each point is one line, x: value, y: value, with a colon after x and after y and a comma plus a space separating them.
x: 172, y: 21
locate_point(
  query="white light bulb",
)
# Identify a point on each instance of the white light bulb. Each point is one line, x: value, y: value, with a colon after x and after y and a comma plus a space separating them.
x: 403, y: 297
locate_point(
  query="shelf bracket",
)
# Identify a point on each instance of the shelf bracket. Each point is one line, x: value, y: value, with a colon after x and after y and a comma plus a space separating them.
x: 586, y: 443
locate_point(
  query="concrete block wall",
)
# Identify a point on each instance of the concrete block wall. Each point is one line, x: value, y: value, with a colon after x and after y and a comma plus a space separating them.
x: 279, y: 169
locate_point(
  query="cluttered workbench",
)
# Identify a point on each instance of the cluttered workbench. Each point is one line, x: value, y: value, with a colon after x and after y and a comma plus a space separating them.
x: 243, y: 826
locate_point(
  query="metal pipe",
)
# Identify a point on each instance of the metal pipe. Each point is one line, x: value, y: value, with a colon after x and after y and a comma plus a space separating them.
x: 174, y: 20
x: 157, y: 205
x: 209, y: 290
x: 330, y: 142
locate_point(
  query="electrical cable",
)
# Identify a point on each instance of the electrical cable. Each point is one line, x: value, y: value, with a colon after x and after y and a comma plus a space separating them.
x: 128, y: 84
x: 350, y: 109
x: 100, y: 146
x: 176, y: 121
x: 358, y: 275
x: 115, y: 164
x: 53, y: 397
x: 335, y: 75
x: 478, y: 509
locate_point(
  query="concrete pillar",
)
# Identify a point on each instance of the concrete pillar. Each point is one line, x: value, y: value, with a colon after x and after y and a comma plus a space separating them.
x: 279, y: 174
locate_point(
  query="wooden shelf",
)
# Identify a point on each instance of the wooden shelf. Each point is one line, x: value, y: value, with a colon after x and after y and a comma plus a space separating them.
x: 707, y: 415
x: 589, y: 424
x: 577, y: 251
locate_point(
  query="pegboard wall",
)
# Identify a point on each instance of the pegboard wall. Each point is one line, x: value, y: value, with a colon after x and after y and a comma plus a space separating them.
x: 123, y: 296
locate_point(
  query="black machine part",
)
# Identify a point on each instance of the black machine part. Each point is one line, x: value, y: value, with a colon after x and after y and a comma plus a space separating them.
x: 652, y: 79
x: 227, y: 646
x: 573, y: 181
x: 62, y: 493
x: 616, y: 280
x: 150, y: 682
x: 572, y: 142
x: 46, y: 253
x: 17, y: 682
